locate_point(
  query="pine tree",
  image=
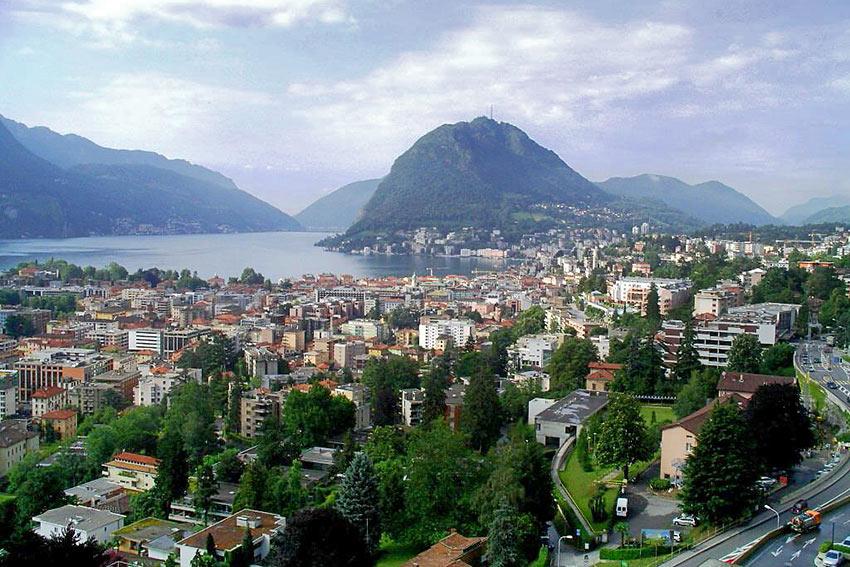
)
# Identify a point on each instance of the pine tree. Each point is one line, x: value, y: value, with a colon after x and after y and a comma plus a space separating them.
x: 503, y: 538
x: 210, y: 545
x: 745, y: 354
x: 434, y: 405
x: 358, y: 497
x: 205, y: 488
x: 687, y: 357
x: 482, y: 412
x: 653, y: 310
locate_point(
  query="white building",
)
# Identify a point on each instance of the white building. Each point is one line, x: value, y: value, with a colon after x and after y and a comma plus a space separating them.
x: 88, y: 522
x: 458, y: 330
x: 145, y: 339
x: 555, y: 421
x: 533, y: 351
x: 365, y: 329
x: 228, y: 534
x: 8, y: 393
x: 412, y: 405
x: 155, y: 384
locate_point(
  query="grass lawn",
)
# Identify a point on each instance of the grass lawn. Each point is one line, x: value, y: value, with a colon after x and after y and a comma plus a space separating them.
x: 582, y: 487
x: 642, y: 562
x: 394, y: 554
x: 662, y: 413
x: 810, y: 388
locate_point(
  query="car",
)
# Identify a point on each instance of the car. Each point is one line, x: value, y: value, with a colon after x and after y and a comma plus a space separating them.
x: 677, y: 537
x: 800, y: 506
x: 846, y: 542
x: 832, y: 385
x: 685, y: 520
x: 833, y: 558
x: 829, y: 466
x: 766, y: 482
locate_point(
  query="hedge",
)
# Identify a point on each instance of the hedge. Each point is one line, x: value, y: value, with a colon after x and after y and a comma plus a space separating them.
x: 627, y: 553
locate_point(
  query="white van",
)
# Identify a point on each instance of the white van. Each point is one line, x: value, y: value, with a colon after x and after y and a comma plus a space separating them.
x: 622, y: 507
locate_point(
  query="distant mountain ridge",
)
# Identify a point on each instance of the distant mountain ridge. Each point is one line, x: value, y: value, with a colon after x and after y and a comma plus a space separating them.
x: 41, y: 199
x: 481, y: 174
x: 711, y: 202
x: 830, y: 214
x: 799, y: 214
x: 338, y: 210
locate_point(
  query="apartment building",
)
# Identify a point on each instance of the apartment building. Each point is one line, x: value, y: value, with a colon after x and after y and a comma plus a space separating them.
x: 47, y: 399
x: 412, y: 402
x: 58, y: 367
x: 346, y: 353
x: 16, y: 442
x: 261, y: 361
x: 163, y: 341
x: 533, y: 351
x: 134, y: 472
x: 634, y: 290
x: 255, y: 407
x: 431, y: 329
x: 365, y: 329
x: 8, y: 393
x: 715, y: 301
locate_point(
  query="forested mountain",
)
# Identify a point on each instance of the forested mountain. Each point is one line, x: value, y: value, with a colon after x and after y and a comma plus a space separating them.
x: 336, y: 211
x: 483, y: 173
x: 711, y: 202
x: 799, y: 214
x: 41, y: 199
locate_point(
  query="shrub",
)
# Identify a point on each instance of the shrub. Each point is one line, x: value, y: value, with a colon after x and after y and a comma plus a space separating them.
x: 542, y: 558
x: 825, y: 546
x: 597, y: 508
x: 629, y: 553
x: 660, y: 484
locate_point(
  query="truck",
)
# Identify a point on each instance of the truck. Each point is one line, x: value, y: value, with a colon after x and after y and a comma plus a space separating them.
x: 805, y: 522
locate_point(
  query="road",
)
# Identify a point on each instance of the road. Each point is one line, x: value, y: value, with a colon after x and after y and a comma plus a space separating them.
x: 831, y: 486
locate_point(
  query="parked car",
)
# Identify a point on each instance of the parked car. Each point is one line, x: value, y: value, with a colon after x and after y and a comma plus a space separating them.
x: 799, y: 506
x: 685, y: 520
x: 833, y: 558
x: 846, y: 542
x: 766, y: 482
x: 677, y: 537
x: 832, y: 385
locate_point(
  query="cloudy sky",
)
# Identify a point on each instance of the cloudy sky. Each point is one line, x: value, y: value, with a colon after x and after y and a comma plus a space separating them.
x: 293, y: 98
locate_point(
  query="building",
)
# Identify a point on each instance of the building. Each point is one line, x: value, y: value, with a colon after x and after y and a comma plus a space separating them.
x: 601, y: 375
x: 358, y: 394
x: 155, y: 385
x: 38, y: 317
x: 293, y: 340
x: 365, y: 329
x: 145, y: 339
x: 454, y: 550
x: 48, y: 399
x: 455, y: 398
x: 745, y: 385
x: 678, y: 439
x: 412, y: 402
x: 63, y: 422
x: 533, y: 351
x: 634, y: 290
x: 88, y: 522
x: 89, y: 397
x: 150, y: 537
x: 136, y: 473
x: 8, y: 393
x: 16, y: 442
x: 261, y: 361
x: 255, y: 407
x: 556, y: 421
x: 100, y: 493
x: 221, y: 506
x: 58, y: 367
x: 346, y: 353
x: 228, y: 534
x: 717, y: 300
x: 432, y: 328
x: 769, y: 322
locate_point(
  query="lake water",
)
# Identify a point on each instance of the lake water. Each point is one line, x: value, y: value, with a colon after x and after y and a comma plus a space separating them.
x: 274, y: 254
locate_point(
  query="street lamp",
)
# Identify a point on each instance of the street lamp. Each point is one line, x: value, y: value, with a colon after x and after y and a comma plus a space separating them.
x: 775, y: 512
x: 559, y: 549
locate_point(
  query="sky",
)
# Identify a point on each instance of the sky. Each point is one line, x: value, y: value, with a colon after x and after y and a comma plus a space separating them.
x: 293, y: 98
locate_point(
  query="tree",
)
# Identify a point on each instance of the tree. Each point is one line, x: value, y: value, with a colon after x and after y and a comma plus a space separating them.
x: 41, y: 491
x: 568, y: 364
x: 229, y: 468
x: 284, y: 494
x: 385, y: 411
x: 822, y: 282
x: 778, y: 359
x: 687, y: 357
x: 502, y: 538
x: 309, y: 418
x: 530, y: 322
x: 721, y: 472
x: 482, y: 414
x: 205, y: 488
x: 251, y: 277
x: 244, y: 556
x: 622, y: 528
x: 434, y: 405
x: 623, y: 433
x: 233, y: 420
x: 28, y: 548
x: 358, y: 497
x: 780, y: 426
x: 404, y: 318
x: 18, y: 326
x: 690, y: 398
x: 318, y: 538
x: 745, y: 354
x: 653, y: 309
x: 173, y: 471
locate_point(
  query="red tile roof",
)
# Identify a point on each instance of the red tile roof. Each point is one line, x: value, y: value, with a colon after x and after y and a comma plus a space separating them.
x: 749, y: 383
x: 47, y: 392
x: 59, y: 414
x: 137, y: 458
x: 696, y: 420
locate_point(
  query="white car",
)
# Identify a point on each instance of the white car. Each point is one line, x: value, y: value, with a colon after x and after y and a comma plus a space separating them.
x: 833, y: 558
x: 846, y: 542
x: 685, y: 520
x: 766, y: 482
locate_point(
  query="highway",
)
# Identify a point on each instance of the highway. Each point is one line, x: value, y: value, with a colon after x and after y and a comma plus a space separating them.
x: 827, y: 488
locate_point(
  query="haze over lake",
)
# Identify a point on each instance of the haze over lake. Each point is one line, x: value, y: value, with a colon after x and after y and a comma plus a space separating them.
x: 274, y: 254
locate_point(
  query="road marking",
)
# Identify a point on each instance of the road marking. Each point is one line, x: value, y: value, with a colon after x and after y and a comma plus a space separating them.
x: 846, y: 522
x: 841, y: 515
x: 777, y: 552
x: 791, y: 538
x: 809, y: 542
x: 795, y: 555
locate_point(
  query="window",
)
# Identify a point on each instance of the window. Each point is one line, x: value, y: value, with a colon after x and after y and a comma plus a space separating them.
x: 687, y: 447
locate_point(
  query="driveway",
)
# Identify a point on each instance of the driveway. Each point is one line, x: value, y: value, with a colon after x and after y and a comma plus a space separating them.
x: 647, y: 510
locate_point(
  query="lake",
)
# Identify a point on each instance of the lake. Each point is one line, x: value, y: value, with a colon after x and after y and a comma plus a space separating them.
x: 274, y: 254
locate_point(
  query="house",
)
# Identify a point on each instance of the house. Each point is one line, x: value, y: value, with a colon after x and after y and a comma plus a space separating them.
x: 101, y: 494
x: 601, y: 375
x: 16, y: 442
x: 746, y: 385
x: 228, y: 534
x: 134, y: 472
x: 63, y: 422
x: 48, y: 399
x: 556, y: 421
x: 454, y: 550
x: 411, y: 404
x: 678, y: 439
x: 150, y: 537
x: 319, y: 458
x: 88, y: 522
x: 221, y: 505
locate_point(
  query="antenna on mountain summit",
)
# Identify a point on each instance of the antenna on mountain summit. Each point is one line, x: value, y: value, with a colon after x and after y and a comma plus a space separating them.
x: 491, y: 112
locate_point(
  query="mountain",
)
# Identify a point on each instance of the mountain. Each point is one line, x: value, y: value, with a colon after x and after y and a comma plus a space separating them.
x: 336, y: 211
x: 799, y: 213
x: 831, y: 214
x: 68, y: 150
x: 711, y: 202
x: 483, y: 174
x: 41, y: 199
